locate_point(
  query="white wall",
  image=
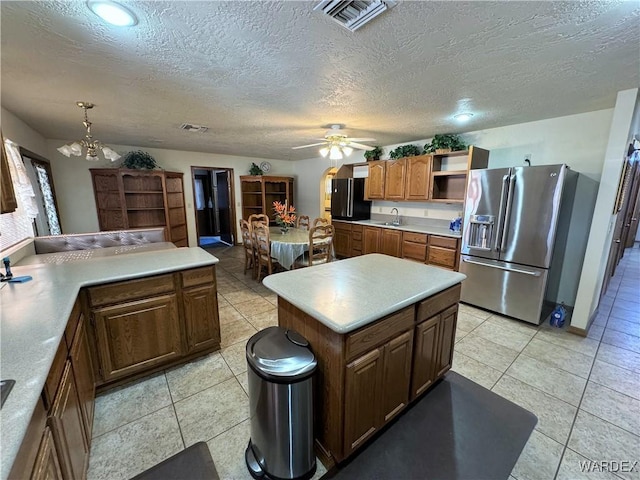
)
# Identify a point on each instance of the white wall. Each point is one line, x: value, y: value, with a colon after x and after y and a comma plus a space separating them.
x: 76, y: 201
x: 624, y: 124
x: 19, y: 132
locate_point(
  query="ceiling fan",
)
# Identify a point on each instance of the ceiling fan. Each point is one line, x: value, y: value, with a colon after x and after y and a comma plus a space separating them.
x: 336, y: 142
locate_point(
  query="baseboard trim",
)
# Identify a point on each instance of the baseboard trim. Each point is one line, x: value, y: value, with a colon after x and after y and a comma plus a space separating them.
x: 578, y: 331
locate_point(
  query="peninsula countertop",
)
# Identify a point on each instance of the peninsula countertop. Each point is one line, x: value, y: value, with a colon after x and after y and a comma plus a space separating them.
x: 35, y: 314
x: 348, y: 294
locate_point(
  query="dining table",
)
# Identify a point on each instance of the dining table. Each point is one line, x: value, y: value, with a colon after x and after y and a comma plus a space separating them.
x: 286, y: 247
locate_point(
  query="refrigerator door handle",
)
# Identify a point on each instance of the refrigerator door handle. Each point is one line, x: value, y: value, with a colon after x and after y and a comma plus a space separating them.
x: 350, y: 198
x: 500, y: 225
x: 507, y: 215
x: 499, y: 267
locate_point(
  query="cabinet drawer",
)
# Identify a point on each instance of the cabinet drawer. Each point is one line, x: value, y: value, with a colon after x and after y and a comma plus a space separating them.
x: 341, y: 226
x: 446, y: 242
x: 357, y: 229
x: 414, y: 237
x: 444, y: 257
x: 373, y: 335
x: 198, y: 276
x: 356, y: 235
x: 129, y: 290
x: 414, y: 251
x: 431, y: 306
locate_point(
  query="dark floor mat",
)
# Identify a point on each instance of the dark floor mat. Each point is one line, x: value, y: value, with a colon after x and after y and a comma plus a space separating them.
x: 459, y: 430
x: 193, y: 463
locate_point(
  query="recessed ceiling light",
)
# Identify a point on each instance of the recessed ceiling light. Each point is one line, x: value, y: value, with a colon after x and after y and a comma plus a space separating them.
x: 113, y: 13
x: 463, y: 117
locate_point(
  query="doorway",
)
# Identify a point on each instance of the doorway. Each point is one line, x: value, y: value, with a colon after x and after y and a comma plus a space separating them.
x: 214, y: 204
x: 39, y: 172
x: 325, y: 192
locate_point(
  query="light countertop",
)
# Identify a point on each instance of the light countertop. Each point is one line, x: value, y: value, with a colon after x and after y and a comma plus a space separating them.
x: 429, y: 229
x: 35, y: 314
x: 348, y: 294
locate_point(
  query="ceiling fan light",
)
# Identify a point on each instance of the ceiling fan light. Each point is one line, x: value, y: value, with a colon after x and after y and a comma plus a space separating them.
x: 324, y: 151
x: 113, y: 13
x: 110, y: 154
x: 347, y: 151
x: 76, y: 149
x: 65, y: 150
x: 463, y: 117
x: 92, y: 158
x: 335, y: 153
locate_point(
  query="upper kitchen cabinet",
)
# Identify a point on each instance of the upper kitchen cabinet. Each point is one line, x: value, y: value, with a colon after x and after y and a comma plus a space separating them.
x: 260, y: 191
x: 449, y: 173
x: 394, y: 179
x: 141, y: 199
x: 418, y: 178
x: 374, y: 187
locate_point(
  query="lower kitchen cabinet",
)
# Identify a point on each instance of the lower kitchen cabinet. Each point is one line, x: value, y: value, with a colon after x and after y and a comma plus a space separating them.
x: 201, y: 317
x: 391, y: 242
x: 83, y: 374
x: 134, y: 336
x: 67, y: 426
x: 414, y: 246
x: 47, y: 465
x: 446, y: 341
x: 396, y: 375
x: 342, y: 239
x: 425, y: 356
x: 371, y: 240
x: 443, y: 252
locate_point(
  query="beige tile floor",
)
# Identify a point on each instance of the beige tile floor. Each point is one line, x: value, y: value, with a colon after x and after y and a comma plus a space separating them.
x: 585, y: 391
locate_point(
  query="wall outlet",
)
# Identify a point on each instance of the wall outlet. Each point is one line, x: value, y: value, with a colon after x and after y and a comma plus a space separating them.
x: 379, y: 209
x: 425, y: 213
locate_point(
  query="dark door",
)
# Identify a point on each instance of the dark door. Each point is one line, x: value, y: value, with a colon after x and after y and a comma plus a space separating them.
x: 204, y: 204
x: 223, y: 204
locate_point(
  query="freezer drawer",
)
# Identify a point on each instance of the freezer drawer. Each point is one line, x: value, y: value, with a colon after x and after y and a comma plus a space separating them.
x: 506, y: 288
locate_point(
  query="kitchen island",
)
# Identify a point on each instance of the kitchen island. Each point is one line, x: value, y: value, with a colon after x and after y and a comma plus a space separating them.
x: 142, y: 312
x: 382, y: 329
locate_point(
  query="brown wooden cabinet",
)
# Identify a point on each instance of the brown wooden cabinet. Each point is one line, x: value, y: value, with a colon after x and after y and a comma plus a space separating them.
x: 396, y: 373
x: 342, y: 239
x: 83, y: 373
x: 395, y: 179
x: 67, y: 426
x: 449, y: 173
x: 375, y: 183
x: 425, y: 355
x: 134, y: 336
x: 47, y: 465
x: 444, y: 252
x: 414, y: 246
x: 446, y: 340
x: 391, y: 242
x: 201, y: 317
x: 141, y: 199
x: 418, y: 178
x: 260, y: 191
x: 371, y: 240
x: 356, y: 240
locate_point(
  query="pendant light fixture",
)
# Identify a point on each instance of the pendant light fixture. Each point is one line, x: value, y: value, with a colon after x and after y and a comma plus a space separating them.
x: 88, y: 146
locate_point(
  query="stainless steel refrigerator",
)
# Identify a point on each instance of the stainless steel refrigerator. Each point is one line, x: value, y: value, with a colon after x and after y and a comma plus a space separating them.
x: 347, y: 199
x: 514, y: 220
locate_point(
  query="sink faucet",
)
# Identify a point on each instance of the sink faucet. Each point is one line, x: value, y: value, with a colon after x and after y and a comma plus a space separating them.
x: 396, y: 221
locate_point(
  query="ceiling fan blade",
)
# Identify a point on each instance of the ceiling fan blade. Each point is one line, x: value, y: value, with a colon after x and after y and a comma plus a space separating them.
x: 362, y: 139
x: 310, y: 145
x: 360, y: 146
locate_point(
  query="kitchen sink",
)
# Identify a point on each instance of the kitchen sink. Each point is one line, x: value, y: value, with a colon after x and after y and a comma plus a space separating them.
x: 388, y: 224
x: 5, y: 388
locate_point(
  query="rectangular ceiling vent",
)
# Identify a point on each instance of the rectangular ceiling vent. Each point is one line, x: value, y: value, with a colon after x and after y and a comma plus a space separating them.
x: 190, y: 127
x: 352, y: 14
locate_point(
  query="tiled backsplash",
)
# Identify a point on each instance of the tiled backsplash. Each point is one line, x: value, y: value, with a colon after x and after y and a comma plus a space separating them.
x: 414, y: 213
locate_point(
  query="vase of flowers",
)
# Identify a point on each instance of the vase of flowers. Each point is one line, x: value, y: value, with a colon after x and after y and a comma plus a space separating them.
x: 285, y: 215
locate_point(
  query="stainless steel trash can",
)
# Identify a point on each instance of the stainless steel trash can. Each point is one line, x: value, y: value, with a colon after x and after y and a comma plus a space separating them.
x: 280, y: 369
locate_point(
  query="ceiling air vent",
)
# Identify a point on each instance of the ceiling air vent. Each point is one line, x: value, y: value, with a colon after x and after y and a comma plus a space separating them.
x: 353, y: 14
x: 190, y: 127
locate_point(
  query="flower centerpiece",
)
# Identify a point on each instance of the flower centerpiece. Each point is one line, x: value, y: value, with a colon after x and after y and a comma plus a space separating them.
x: 285, y: 215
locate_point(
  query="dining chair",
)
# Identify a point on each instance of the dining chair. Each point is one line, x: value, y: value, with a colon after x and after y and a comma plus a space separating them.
x: 249, y: 251
x: 262, y: 244
x: 303, y: 222
x: 258, y: 217
x: 320, y: 221
x: 320, y: 246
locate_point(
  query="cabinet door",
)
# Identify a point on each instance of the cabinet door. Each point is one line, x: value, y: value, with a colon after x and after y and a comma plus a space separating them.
x: 394, y: 180
x: 362, y: 399
x: 418, y: 178
x: 83, y: 374
x: 201, y: 317
x: 67, y: 426
x: 396, y: 375
x: 391, y: 242
x: 446, y: 339
x: 375, y: 181
x: 8, y: 202
x: 137, y: 335
x: 47, y: 466
x: 342, y: 242
x: 442, y: 257
x: 425, y: 356
x: 371, y: 240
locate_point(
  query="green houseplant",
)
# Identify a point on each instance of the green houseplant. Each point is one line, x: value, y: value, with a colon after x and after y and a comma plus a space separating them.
x: 139, y: 160
x: 405, y: 151
x: 255, y: 170
x: 443, y: 143
x: 374, y: 154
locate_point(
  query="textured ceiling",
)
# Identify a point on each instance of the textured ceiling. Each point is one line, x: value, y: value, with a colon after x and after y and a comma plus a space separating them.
x: 267, y: 76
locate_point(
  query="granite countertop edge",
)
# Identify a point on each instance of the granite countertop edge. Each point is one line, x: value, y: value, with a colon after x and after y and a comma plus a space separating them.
x: 433, y: 230
x: 60, y: 287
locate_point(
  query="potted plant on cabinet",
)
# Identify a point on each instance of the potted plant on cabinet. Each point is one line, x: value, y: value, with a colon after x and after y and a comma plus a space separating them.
x: 139, y: 160
x: 374, y: 154
x: 445, y: 143
x: 404, y: 151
